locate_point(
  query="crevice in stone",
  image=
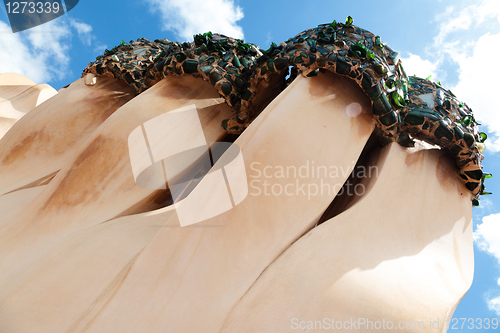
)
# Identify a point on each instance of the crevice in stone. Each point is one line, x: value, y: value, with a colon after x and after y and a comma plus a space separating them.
x: 39, y: 182
x: 163, y: 198
x: 359, y: 182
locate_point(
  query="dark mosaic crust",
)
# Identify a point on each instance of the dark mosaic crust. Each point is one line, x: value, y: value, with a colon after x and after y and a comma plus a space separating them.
x: 220, y: 60
x: 129, y: 61
x: 434, y: 115
x: 346, y: 50
x: 404, y: 108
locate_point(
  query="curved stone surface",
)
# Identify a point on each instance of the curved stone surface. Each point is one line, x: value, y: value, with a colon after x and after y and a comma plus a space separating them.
x: 412, y: 265
x: 86, y: 249
x: 19, y: 95
x: 53, y: 132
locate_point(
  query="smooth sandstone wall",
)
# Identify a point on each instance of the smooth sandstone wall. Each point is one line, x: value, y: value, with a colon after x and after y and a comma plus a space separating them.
x: 402, y: 254
x: 19, y: 95
x: 403, y: 251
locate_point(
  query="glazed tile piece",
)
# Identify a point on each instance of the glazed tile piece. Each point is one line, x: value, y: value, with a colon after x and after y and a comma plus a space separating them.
x: 404, y: 108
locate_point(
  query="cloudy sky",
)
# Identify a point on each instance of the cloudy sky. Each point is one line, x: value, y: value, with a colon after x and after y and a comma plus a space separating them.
x: 455, y: 41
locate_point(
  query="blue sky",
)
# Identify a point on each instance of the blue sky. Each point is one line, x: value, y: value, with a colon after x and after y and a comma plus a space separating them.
x: 454, y: 41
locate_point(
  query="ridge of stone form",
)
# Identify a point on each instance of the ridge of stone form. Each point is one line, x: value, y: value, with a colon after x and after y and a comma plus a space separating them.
x: 404, y: 108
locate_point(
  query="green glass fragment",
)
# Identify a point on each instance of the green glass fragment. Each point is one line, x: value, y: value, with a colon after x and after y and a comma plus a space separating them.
x: 206, y: 69
x: 226, y: 88
x: 414, y: 118
x: 475, y: 202
x: 471, y: 186
x: 190, y: 66
x: 370, y: 55
x: 482, y: 137
x: 313, y: 73
x: 455, y: 150
x: 398, y: 99
x: 474, y: 174
x: 459, y: 134
x: 379, y: 68
x: 333, y: 24
x: 180, y: 57
x: 390, y: 82
x: 271, y: 48
x: 215, y: 77
x: 447, y: 103
x: 311, y: 42
x: 349, y: 20
x: 270, y: 66
x: 389, y: 119
x: 466, y: 120
x: 129, y: 78
x: 381, y: 104
x: 281, y: 63
x: 244, y: 62
x: 246, y: 95
x: 486, y: 176
x: 428, y: 78
x: 242, y: 47
x: 469, y: 139
x: 443, y: 131
x: 359, y: 50
x: 236, y: 62
x: 405, y: 87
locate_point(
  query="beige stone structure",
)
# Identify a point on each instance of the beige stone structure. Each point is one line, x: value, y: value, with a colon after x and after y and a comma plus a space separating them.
x: 84, y: 249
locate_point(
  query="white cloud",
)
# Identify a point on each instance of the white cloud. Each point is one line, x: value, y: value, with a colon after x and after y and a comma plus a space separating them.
x: 494, y: 305
x: 36, y: 54
x: 415, y: 65
x: 189, y: 17
x: 487, y: 238
x: 455, y: 20
x: 84, y: 31
x: 478, y: 86
x: 468, y: 37
x: 269, y: 39
x: 41, y: 53
x: 487, y: 235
